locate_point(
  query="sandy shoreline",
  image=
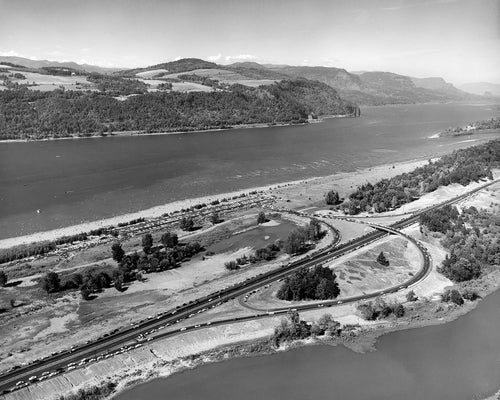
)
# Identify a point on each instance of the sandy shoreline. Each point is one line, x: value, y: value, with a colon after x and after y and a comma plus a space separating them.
x: 375, y: 173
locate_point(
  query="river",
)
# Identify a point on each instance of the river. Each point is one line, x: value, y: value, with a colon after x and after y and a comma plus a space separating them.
x: 52, y: 184
x: 455, y: 361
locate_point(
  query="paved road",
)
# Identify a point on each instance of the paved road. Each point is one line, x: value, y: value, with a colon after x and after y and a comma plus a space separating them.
x: 125, y: 336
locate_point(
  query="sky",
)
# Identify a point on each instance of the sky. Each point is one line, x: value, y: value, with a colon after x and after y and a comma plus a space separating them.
x: 455, y: 39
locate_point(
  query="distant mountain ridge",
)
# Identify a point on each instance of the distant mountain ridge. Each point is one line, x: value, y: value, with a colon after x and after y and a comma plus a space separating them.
x: 27, y: 62
x: 365, y: 88
x: 481, y: 88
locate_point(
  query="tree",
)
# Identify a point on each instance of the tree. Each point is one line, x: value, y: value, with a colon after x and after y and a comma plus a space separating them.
x: 314, y: 229
x: 452, y: 296
x: 367, y: 311
x: 86, y: 293
x: 147, y: 243
x: 399, y: 310
x: 214, y: 218
x: 469, y: 294
x: 296, y: 241
x: 51, y: 282
x: 410, y: 296
x: 327, y: 324
x: 3, y: 278
x: 119, y: 282
x: 231, y: 265
x: 332, y: 198
x: 169, y: 240
x: 456, y: 297
x: 382, y: 260
x: 117, y: 251
x: 187, y: 223
x: 261, y: 218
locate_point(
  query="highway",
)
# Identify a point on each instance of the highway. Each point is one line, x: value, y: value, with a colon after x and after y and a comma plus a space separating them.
x: 126, y: 336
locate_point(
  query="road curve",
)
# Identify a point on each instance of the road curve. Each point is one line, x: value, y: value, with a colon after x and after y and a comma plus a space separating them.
x: 422, y: 273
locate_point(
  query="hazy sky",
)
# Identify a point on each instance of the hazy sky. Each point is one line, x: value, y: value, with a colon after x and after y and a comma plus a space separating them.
x: 456, y: 39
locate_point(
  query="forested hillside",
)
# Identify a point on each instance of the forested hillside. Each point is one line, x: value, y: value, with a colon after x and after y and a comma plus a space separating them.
x: 26, y: 113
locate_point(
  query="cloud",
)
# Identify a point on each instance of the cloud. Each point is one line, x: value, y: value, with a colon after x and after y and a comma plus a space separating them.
x: 240, y: 57
x: 418, y: 4
x: 10, y: 53
x: 218, y: 57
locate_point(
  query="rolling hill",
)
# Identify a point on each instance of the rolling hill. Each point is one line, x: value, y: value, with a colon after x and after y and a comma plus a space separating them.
x: 184, y: 95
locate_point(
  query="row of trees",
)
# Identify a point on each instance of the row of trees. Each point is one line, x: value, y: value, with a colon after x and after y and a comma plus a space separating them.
x: 318, y: 283
x: 35, y: 114
x: 264, y: 253
x: 462, y: 166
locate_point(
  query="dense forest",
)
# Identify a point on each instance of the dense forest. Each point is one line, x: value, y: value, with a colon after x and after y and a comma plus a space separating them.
x: 462, y: 166
x: 33, y: 114
x: 472, y: 237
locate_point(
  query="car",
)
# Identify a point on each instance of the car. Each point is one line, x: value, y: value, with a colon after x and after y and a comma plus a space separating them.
x: 182, y: 329
x: 197, y: 326
x: 32, y: 378
x: 20, y: 383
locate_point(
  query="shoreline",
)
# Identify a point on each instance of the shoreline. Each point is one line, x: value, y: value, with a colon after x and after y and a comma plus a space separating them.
x: 116, y: 134
x: 159, y: 210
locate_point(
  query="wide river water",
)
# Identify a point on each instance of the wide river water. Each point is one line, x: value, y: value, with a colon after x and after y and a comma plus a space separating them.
x: 459, y: 360
x: 74, y: 181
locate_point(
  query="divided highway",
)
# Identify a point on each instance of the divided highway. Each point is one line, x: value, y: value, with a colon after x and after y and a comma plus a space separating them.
x: 125, y: 338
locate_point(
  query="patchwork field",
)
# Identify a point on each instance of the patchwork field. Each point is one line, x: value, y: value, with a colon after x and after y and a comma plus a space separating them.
x: 51, y: 82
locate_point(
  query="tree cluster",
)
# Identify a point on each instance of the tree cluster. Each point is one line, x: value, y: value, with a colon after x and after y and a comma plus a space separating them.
x: 265, y: 253
x: 471, y: 237
x: 332, y: 198
x: 441, y: 219
x: 293, y: 328
x: 380, y: 309
x: 452, y: 296
x: 382, y: 260
x: 300, y: 239
x: 317, y: 283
